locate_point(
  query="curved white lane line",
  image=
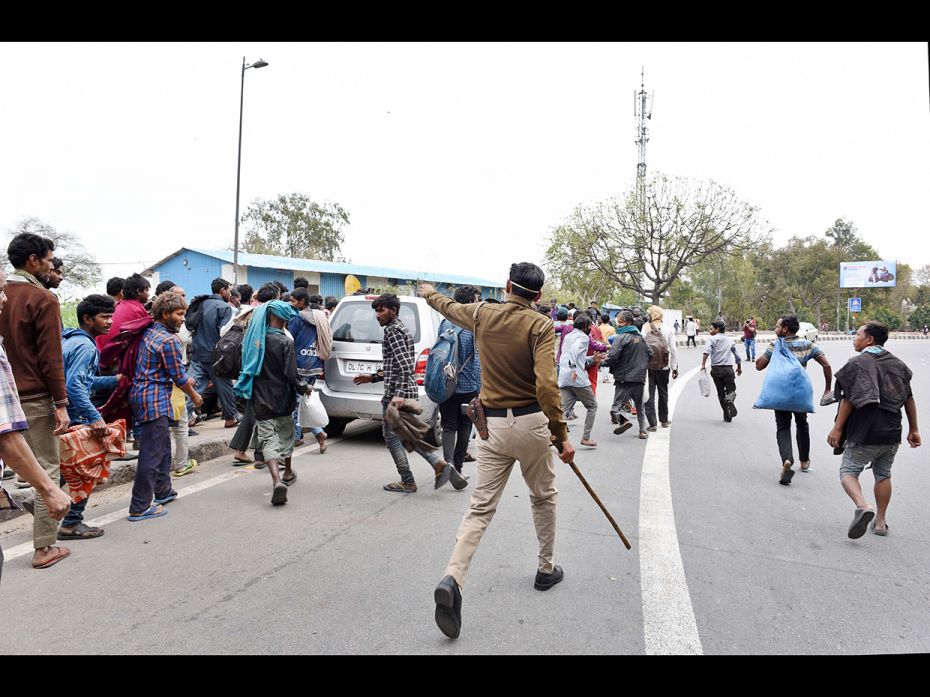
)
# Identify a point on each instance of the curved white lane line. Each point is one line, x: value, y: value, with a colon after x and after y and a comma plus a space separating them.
x: 669, y: 625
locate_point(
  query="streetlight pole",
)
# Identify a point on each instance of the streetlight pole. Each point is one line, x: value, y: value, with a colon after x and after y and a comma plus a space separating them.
x: 257, y: 64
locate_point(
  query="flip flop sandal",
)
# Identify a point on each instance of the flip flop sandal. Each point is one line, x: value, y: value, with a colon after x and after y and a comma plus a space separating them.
x: 876, y: 531
x: 80, y: 532
x: 400, y: 488
x: 185, y: 469
x: 288, y: 482
x: 442, y: 477
x: 622, y: 428
x: 279, y: 495
x: 153, y: 512
x: 860, y: 524
x: 59, y: 555
x: 168, y: 498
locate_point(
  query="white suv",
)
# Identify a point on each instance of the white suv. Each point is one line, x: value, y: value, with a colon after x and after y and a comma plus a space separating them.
x: 357, y: 339
x: 807, y: 331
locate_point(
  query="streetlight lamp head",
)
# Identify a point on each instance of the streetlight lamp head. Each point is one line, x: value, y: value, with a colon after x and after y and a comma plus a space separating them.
x: 259, y: 63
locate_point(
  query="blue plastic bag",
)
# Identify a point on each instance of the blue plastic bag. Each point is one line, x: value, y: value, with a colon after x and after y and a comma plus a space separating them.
x: 787, y: 386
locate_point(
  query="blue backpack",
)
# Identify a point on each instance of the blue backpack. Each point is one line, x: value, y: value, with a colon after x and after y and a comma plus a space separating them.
x: 442, y: 365
x: 787, y: 386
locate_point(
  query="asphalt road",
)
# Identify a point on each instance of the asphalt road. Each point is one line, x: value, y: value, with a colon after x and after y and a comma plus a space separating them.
x: 743, y: 564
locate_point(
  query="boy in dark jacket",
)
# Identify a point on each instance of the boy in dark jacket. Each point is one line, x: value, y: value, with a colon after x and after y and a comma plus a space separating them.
x: 82, y: 363
x: 628, y: 361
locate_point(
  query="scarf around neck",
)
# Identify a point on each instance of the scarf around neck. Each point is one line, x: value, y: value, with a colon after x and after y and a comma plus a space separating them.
x: 253, y: 344
x: 23, y: 276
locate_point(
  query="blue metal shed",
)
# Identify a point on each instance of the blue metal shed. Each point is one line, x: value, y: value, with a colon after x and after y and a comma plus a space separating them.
x: 193, y: 269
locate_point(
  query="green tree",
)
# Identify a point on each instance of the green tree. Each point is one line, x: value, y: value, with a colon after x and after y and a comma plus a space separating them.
x: 644, y: 241
x: 81, y: 270
x: 294, y: 226
x: 883, y: 314
x: 919, y: 317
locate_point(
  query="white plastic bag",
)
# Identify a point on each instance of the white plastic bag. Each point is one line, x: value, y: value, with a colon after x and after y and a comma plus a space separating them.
x: 704, y: 383
x: 312, y: 413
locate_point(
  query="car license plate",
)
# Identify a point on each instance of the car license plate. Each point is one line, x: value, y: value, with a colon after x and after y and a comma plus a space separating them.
x: 362, y: 367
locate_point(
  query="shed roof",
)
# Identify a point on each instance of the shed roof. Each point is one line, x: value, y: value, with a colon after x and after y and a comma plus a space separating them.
x: 295, y: 264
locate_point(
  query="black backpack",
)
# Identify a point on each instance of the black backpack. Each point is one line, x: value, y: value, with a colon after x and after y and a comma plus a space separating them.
x: 194, y: 312
x: 227, y: 354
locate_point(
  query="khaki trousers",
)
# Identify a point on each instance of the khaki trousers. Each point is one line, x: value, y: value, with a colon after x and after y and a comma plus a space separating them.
x: 511, y: 438
x: 40, y: 414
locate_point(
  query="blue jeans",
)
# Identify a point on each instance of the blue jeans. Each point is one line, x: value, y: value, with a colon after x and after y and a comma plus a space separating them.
x: 202, y: 374
x: 750, y: 346
x: 396, y: 448
x: 153, y: 473
x: 75, y: 514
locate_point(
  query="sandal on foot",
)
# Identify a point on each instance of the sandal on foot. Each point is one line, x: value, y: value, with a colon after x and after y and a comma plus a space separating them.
x: 786, y: 473
x: 443, y: 475
x: 401, y: 487
x: 288, y: 482
x: 60, y: 553
x: 154, y: 511
x: 186, y: 468
x: 167, y: 498
x: 80, y: 531
x: 279, y: 495
x: 860, y: 523
x: 626, y: 426
x: 881, y: 532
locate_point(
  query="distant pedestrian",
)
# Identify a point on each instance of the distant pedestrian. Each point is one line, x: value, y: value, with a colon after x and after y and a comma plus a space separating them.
x: 719, y: 348
x: 691, y: 332
x: 115, y: 288
x: 872, y: 388
x: 313, y: 341
x: 215, y: 313
x: 925, y: 330
x: 749, y: 340
x: 456, y: 426
x: 628, y: 360
x: 135, y: 296
x: 787, y: 328
x: 400, y: 384
x: 574, y: 381
x: 664, y: 362
x: 677, y: 326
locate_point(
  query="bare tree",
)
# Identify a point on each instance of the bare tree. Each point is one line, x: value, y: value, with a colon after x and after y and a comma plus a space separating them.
x: 80, y: 266
x: 644, y: 242
x: 292, y: 225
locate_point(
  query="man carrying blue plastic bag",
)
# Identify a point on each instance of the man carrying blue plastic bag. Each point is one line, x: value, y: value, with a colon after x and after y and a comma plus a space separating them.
x: 787, y: 390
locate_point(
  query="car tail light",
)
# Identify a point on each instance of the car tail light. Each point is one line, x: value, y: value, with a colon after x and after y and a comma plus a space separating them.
x: 420, y: 370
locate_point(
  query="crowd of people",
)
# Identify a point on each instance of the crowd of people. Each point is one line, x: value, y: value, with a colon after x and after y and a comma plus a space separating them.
x: 143, y: 364
x: 520, y: 370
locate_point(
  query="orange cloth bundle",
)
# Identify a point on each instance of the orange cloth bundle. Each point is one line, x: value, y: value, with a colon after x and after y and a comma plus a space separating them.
x: 85, y: 460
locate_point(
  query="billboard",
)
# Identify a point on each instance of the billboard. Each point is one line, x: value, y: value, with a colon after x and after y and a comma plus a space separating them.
x: 868, y: 274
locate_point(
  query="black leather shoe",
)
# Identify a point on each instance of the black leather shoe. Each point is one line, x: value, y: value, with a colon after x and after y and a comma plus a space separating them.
x: 448, y: 607
x: 545, y: 581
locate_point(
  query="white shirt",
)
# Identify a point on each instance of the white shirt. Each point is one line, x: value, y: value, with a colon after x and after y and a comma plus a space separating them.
x: 690, y: 328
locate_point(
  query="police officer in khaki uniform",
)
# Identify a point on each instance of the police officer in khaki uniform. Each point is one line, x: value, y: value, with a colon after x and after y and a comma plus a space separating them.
x: 522, y: 403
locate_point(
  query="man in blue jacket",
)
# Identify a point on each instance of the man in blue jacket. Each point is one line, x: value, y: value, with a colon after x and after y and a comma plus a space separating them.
x: 216, y: 312
x: 82, y: 361
x: 312, y: 342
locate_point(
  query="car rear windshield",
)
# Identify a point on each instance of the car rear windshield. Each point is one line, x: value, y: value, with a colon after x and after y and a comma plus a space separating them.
x: 356, y: 322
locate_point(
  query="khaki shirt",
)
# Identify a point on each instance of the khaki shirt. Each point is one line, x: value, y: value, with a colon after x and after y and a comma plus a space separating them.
x: 517, y: 354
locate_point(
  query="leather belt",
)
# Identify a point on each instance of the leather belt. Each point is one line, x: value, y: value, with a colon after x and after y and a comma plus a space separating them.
x: 517, y: 411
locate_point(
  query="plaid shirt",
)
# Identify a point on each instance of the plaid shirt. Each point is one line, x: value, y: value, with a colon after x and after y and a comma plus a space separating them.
x: 12, y: 417
x: 157, y: 368
x: 397, y: 350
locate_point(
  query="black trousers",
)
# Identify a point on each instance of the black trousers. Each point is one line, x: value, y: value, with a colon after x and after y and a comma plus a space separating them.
x: 456, y: 428
x: 658, y: 379
x: 691, y: 342
x: 783, y: 435
x: 725, y: 381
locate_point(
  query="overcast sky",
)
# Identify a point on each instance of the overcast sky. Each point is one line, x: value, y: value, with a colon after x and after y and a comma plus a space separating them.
x: 455, y: 157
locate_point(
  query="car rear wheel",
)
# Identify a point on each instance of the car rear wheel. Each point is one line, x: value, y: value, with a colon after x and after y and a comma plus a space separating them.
x: 335, y: 427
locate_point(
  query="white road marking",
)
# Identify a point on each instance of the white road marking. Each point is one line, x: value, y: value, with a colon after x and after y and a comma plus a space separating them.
x: 669, y: 626
x: 27, y: 548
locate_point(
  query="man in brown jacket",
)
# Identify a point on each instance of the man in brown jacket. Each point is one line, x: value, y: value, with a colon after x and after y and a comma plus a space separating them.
x: 31, y: 329
x: 523, y: 406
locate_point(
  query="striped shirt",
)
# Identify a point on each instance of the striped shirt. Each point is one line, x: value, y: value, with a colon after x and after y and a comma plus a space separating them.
x: 158, y: 367
x: 802, y: 349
